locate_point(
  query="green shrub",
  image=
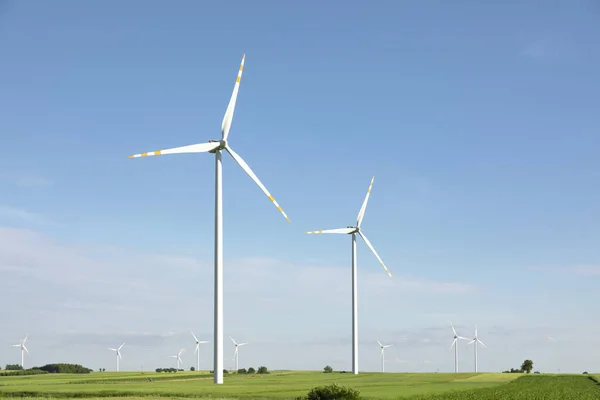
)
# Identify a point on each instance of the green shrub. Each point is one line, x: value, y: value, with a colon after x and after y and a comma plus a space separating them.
x: 332, y: 392
x: 251, y: 370
x: 262, y: 370
x: 242, y: 371
x: 327, y: 369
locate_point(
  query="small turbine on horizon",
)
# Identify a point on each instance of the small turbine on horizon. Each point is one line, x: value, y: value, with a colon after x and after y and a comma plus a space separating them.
x: 475, y: 341
x: 355, y: 230
x: 455, y: 344
x: 236, y: 354
x: 383, y: 347
x: 23, y: 349
x: 178, y: 357
x: 198, y: 342
x: 118, y: 351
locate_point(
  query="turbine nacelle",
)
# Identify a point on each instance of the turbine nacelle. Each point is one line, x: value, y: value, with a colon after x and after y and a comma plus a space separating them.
x: 355, y: 229
x: 222, y: 145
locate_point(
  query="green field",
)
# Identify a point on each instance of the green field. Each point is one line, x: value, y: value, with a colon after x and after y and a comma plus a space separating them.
x: 288, y: 385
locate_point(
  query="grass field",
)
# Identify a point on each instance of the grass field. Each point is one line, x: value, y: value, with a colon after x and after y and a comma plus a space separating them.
x: 288, y: 385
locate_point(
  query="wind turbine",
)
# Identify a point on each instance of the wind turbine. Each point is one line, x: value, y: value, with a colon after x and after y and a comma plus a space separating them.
x: 383, y: 347
x: 198, y: 342
x: 118, y: 351
x: 216, y: 147
x: 22, y: 346
x: 236, y: 354
x: 353, y: 230
x: 455, y: 344
x: 178, y: 357
x: 475, y: 341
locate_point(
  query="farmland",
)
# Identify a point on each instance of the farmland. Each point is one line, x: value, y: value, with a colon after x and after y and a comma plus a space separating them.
x: 288, y: 385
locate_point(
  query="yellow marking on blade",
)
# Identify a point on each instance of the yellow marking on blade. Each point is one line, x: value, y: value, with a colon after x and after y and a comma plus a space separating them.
x: 238, y: 79
x: 157, y: 153
x: 143, y: 154
x: 130, y: 156
x: 271, y: 198
x: 241, y: 67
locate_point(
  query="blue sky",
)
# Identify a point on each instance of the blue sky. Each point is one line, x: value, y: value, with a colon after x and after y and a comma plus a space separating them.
x: 479, y: 122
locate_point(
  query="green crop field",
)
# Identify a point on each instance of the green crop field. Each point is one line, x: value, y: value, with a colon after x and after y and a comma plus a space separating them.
x: 288, y: 385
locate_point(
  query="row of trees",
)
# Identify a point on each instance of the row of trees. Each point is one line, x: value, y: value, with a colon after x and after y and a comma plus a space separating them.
x: 60, y: 368
x: 526, y: 367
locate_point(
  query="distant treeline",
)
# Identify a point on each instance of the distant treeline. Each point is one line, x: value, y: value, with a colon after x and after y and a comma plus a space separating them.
x: 46, y: 369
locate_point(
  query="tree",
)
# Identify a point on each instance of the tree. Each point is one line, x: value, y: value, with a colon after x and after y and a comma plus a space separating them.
x: 527, y: 366
x: 13, y: 367
x: 251, y: 370
x: 192, y: 369
x: 332, y: 392
x: 242, y: 371
x: 327, y: 369
x: 262, y: 370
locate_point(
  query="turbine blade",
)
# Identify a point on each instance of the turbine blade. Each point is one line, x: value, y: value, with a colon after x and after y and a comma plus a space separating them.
x: 361, y: 213
x: 233, y: 340
x: 16, y: 345
x: 471, y: 341
x: 195, y: 338
x: 197, y: 348
x: 453, y: 343
x: 379, y: 343
x: 340, y: 230
x: 246, y: 168
x: 119, y: 354
x: 25, y: 348
x: 480, y: 342
x: 231, y: 106
x: 463, y: 338
x: 362, y: 235
x: 110, y: 348
x: 193, y: 148
x: 389, y: 345
x: 204, y: 341
x: 241, y: 344
x: 453, y: 330
x: 24, y: 340
x: 121, y: 346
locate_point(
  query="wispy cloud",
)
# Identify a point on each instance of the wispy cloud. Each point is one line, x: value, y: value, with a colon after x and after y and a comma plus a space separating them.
x: 14, y: 213
x: 25, y: 179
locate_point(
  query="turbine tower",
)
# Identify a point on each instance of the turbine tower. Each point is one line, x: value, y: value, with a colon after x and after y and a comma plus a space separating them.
x: 475, y: 341
x: 198, y: 342
x: 23, y: 349
x: 216, y: 147
x: 455, y: 344
x: 383, y: 347
x: 354, y: 230
x: 178, y: 357
x: 118, y: 354
x: 236, y: 354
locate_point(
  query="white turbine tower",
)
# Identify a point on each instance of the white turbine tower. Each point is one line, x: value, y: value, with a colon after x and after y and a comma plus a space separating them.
x: 475, y: 341
x: 216, y: 147
x: 236, y: 353
x: 353, y: 230
x: 118, y: 354
x: 383, y: 347
x: 178, y: 357
x: 198, y: 342
x: 23, y: 350
x: 455, y: 344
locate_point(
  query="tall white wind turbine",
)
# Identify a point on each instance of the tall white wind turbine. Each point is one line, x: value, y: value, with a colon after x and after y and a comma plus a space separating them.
x: 353, y: 230
x: 475, y: 341
x: 216, y: 147
x: 178, y: 357
x: 118, y: 354
x: 197, y: 351
x: 383, y: 347
x: 236, y: 353
x: 455, y: 344
x: 23, y: 350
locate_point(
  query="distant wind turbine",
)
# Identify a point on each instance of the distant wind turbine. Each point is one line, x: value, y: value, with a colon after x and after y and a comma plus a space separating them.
x: 216, y: 147
x: 383, y: 347
x: 178, y: 357
x: 475, y: 341
x: 23, y: 349
x: 236, y: 354
x: 118, y: 354
x: 198, y: 342
x: 354, y: 230
x: 455, y: 344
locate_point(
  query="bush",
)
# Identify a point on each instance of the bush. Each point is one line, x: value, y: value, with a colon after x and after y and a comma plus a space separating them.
x: 13, y: 367
x: 262, y: 370
x: 65, y: 369
x: 192, y: 369
x: 251, y: 370
x: 332, y: 392
x: 327, y: 369
x: 585, y: 372
x: 242, y: 371
x: 32, y: 371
